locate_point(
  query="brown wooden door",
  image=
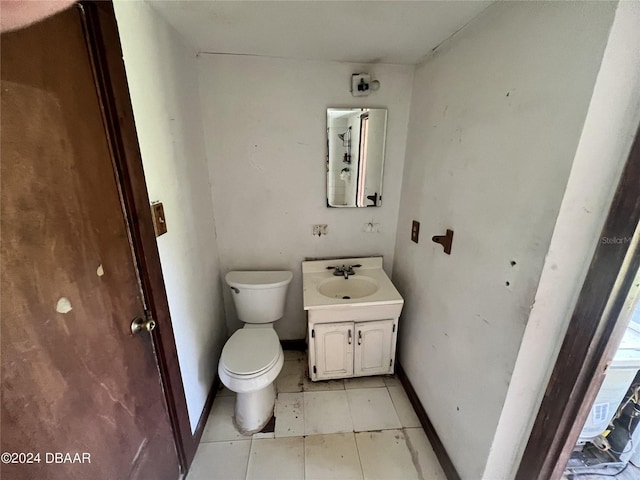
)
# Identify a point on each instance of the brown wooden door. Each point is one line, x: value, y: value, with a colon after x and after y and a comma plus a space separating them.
x: 74, y: 378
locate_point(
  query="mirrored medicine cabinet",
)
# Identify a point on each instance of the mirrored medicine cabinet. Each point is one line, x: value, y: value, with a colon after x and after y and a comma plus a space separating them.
x: 355, y: 156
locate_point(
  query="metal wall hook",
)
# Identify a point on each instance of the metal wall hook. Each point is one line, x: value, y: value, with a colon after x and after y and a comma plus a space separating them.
x: 445, y: 241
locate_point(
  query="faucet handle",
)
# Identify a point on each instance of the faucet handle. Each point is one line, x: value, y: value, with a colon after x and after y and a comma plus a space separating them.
x: 348, y: 269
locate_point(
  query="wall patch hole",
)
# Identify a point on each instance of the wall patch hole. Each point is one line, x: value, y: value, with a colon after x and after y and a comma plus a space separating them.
x: 100, y: 271
x: 63, y: 305
x: 507, y: 283
x: 513, y: 263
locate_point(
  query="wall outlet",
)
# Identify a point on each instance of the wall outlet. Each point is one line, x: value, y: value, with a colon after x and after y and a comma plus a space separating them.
x: 319, y: 230
x: 415, y: 231
x: 371, y: 227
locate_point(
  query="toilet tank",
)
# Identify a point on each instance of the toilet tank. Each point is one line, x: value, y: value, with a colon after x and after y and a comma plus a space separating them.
x: 259, y: 296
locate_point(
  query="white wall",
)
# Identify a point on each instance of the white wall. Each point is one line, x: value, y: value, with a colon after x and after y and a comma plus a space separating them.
x: 496, y: 116
x: 609, y: 129
x: 265, y: 130
x: 161, y: 71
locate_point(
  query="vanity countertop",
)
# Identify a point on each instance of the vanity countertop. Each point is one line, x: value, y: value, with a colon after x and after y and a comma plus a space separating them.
x: 314, y: 273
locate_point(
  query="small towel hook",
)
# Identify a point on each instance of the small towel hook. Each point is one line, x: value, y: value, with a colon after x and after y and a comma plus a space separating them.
x: 445, y: 241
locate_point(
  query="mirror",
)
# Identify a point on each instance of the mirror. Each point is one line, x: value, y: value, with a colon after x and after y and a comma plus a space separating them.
x: 355, y: 156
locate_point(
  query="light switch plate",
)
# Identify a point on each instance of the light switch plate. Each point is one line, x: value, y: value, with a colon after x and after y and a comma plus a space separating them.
x: 159, y: 221
x: 415, y: 231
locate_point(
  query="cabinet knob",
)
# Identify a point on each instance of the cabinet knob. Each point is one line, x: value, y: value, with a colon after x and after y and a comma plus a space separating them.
x: 349, y: 337
x: 359, y: 337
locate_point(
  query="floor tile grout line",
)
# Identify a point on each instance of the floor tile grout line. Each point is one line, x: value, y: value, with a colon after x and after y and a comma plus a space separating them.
x: 355, y: 439
x: 304, y: 415
x: 353, y: 425
x: 304, y: 457
x: 246, y: 475
x: 395, y: 407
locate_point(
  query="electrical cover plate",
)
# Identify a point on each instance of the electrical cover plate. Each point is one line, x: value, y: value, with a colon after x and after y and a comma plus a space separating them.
x: 159, y: 222
x: 415, y: 231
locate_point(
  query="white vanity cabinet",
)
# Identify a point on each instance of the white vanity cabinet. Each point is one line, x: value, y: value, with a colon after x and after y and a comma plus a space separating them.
x: 352, y: 319
x: 352, y: 349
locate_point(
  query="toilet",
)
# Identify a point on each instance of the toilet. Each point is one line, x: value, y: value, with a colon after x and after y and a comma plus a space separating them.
x: 252, y: 358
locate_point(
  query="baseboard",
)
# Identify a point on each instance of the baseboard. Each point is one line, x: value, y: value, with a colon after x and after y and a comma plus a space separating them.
x: 202, y: 422
x: 432, y: 435
x: 299, y: 345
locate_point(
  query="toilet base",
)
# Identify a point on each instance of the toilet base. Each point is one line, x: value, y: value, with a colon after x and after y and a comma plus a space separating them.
x: 254, y: 409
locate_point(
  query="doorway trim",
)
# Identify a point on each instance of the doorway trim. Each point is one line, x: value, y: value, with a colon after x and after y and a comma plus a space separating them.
x: 104, y: 46
x: 592, y: 333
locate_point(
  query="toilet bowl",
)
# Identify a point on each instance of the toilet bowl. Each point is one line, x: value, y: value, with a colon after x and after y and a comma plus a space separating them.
x: 252, y: 358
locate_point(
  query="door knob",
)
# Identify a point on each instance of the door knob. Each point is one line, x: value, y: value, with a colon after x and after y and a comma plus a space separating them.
x: 139, y: 324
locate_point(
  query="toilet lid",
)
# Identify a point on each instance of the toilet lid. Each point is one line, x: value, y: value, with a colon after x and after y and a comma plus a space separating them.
x: 250, y: 350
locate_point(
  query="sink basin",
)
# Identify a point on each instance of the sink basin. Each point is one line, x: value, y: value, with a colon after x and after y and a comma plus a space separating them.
x: 368, y: 294
x: 353, y: 287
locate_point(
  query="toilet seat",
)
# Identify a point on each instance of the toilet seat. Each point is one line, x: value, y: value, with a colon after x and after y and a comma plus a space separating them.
x: 250, y: 352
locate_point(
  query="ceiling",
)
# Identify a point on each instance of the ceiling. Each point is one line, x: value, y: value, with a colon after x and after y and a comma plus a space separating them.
x: 365, y: 31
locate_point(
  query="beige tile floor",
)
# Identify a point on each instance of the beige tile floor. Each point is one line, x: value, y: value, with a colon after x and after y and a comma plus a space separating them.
x: 362, y: 428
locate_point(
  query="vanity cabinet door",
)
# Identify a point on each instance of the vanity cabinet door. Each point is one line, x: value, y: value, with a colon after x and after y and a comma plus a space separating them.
x: 373, y: 347
x: 333, y: 344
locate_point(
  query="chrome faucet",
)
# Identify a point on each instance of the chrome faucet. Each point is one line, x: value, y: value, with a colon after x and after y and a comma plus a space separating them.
x: 344, y: 270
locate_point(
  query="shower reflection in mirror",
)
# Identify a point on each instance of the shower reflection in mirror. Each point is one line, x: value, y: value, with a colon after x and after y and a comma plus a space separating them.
x: 355, y: 157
